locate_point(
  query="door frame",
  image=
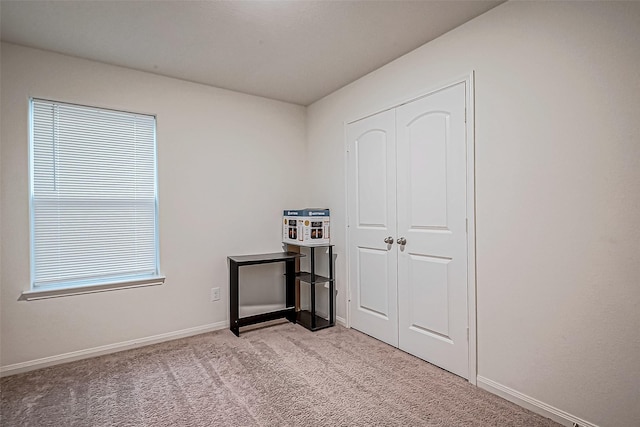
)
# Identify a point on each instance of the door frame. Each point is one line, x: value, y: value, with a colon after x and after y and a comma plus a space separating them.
x: 469, y: 80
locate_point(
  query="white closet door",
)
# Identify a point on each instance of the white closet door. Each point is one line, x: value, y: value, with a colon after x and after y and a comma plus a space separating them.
x: 371, y: 177
x: 431, y: 197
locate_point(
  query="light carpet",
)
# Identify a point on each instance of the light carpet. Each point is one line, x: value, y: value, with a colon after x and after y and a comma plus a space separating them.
x: 282, y: 375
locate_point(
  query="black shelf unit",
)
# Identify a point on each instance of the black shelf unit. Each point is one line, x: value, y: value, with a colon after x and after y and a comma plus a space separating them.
x: 308, y: 318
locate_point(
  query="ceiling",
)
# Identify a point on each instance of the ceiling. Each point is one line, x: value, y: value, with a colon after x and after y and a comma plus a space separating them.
x: 294, y: 51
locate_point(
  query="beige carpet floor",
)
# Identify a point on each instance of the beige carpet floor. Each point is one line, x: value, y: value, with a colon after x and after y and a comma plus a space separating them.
x: 280, y: 375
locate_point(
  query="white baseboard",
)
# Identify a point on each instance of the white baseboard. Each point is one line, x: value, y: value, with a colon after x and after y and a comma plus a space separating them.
x: 341, y: 321
x: 31, y: 365
x: 532, y: 404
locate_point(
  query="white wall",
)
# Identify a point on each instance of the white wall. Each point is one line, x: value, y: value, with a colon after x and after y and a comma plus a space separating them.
x: 558, y: 193
x: 227, y: 164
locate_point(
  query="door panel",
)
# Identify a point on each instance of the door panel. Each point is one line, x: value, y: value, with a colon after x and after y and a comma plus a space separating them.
x: 429, y: 297
x: 427, y: 196
x: 371, y: 168
x: 371, y: 177
x: 431, y: 207
x: 372, y: 292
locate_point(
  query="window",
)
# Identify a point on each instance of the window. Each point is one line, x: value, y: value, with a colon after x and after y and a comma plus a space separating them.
x: 93, y: 193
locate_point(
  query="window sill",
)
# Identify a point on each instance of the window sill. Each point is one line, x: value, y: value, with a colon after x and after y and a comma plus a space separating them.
x: 36, y: 294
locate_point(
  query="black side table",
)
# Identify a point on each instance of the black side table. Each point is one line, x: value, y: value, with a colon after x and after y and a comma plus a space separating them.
x: 235, y: 262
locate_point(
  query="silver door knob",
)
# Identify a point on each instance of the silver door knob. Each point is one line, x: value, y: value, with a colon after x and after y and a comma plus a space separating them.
x: 402, y: 241
x: 389, y: 240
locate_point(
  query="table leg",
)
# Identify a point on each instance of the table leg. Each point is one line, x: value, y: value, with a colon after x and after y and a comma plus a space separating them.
x: 332, y: 287
x: 234, y: 300
x: 312, y: 287
x: 290, y: 288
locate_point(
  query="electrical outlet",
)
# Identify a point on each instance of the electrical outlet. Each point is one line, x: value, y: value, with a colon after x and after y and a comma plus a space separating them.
x: 215, y: 294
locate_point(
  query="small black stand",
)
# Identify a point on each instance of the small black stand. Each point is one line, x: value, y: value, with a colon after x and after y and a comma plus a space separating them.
x: 235, y: 262
x: 308, y: 318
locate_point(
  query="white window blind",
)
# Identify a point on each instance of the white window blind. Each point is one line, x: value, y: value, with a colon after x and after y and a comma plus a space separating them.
x: 93, y: 196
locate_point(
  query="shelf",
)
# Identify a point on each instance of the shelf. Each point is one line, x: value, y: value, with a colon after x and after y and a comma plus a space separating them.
x: 303, y: 317
x: 306, y: 277
x: 252, y: 310
x: 264, y: 317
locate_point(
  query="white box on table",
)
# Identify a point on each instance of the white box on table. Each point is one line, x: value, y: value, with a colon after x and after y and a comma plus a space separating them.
x: 306, y: 227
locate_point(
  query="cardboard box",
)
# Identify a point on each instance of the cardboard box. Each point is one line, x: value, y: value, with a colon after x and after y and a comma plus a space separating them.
x: 306, y: 227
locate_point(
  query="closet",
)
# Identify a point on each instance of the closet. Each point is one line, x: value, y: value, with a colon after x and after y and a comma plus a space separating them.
x: 407, y: 227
